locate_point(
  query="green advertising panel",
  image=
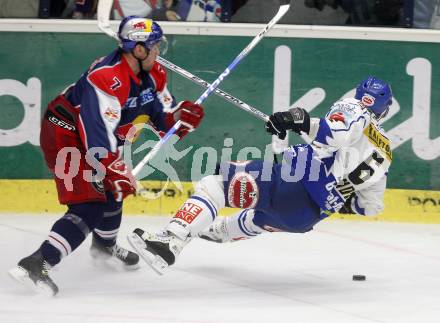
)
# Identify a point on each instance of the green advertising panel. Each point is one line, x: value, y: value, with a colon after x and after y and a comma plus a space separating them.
x: 312, y: 73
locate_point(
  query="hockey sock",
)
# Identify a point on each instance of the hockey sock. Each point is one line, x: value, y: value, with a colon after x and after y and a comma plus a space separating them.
x: 106, y: 231
x: 51, y: 254
x: 71, y: 230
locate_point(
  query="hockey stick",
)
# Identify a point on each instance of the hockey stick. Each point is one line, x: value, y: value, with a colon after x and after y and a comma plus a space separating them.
x: 284, y: 7
x: 228, y: 97
x: 103, y: 16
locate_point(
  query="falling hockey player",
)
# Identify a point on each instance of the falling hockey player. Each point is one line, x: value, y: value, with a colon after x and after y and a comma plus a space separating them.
x: 343, y: 168
x: 96, y: 115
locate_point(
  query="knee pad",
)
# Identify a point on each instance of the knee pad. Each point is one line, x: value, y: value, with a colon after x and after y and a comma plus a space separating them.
x: 211, y: 187
x: 89, y: 214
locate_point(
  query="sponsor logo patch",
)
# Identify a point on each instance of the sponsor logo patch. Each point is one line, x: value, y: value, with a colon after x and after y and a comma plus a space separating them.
x: 126, y: 132
x: 188, y: 212
x: 379, y: 140
x: 60, y: 123
x: 146, y: 96
x: 337, y: 116
x: 111, y: 114
x: 368, y: 100
x: 145, y: 25
x: 334, y: 200
x: 243, y: 191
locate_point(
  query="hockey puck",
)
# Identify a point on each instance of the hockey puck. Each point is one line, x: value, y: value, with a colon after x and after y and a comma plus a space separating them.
x: 359, y: 277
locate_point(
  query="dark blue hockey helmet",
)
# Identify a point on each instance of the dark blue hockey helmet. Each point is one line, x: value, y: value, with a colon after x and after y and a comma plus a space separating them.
x: 376, y: 95
x: 134, y: 30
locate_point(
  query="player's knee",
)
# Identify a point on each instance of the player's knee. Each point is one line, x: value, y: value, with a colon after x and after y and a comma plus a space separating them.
x: 212, y: 187
x: 85, y: 215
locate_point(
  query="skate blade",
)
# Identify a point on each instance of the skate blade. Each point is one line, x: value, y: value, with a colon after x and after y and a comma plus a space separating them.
x: 157, y: 263
x: 108, y: 262
x: 21, y: 275
x: 209, y: 238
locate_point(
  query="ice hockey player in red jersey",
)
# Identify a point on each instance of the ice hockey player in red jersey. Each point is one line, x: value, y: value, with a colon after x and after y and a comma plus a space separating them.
x: 89, y: 122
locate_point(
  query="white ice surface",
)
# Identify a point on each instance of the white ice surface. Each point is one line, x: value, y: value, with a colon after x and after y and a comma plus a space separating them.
x: 280, y: 277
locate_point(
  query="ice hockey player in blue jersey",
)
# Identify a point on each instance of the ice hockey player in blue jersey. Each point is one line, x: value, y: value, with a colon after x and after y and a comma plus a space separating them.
x: 342, y: 168
x: 89, y: 121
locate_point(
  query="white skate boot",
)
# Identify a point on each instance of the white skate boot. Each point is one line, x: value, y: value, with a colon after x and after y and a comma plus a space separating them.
x: 239, y: 226
x: 158, y: 250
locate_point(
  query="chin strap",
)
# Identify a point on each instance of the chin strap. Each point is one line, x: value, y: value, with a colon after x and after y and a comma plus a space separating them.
x: 140, y: 60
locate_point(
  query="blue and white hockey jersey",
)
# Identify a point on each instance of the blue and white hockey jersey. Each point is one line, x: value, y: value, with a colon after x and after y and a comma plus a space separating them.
x: 348, y: 155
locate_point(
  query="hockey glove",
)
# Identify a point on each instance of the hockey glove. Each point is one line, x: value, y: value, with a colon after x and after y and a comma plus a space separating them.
x: 118, y: 177
x: 190, y: 114
x: 296, y: 119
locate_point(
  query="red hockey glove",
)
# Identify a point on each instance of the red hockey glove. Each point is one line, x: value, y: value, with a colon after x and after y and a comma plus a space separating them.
x: 118, y: 177
x: 190, y: 114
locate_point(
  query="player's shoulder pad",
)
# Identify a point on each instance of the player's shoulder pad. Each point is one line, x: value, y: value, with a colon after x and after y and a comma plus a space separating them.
x: 348, y: 110
x: 111, y: 79
x: 159, y: 76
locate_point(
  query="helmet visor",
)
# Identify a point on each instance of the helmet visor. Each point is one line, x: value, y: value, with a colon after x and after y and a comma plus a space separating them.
x: 161, y: 45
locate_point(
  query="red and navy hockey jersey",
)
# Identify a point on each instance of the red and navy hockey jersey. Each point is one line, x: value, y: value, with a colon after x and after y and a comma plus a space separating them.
x: 109, y: 99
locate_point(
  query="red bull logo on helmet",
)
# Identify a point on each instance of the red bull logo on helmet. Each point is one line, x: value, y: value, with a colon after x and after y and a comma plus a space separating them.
x: 145, y: 25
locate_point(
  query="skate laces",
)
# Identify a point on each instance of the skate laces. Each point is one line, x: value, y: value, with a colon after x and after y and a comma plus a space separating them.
x: 45, y: 269
x: 119, y: 252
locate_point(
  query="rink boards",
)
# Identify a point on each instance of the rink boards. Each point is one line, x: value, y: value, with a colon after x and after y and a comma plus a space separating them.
x: 39, y: 197
x: 325, y: 62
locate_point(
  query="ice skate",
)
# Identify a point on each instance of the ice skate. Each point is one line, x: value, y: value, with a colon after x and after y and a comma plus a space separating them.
x: 216, y: 232
x: 33, y: 272
x: 239, y: 226
x: 129, y: 259
x: 158, y: 250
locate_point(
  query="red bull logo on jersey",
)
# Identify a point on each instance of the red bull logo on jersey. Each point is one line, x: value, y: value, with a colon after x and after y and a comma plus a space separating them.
x: 132, y: 130
x: 111, y: 114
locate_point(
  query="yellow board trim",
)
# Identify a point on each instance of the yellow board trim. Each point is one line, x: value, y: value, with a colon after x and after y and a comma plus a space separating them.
x: 40, y: 197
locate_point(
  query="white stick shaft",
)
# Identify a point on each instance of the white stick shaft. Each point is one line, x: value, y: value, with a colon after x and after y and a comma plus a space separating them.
x: 228, y: 97
x: 103, y: 16
x: 281, y: 12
